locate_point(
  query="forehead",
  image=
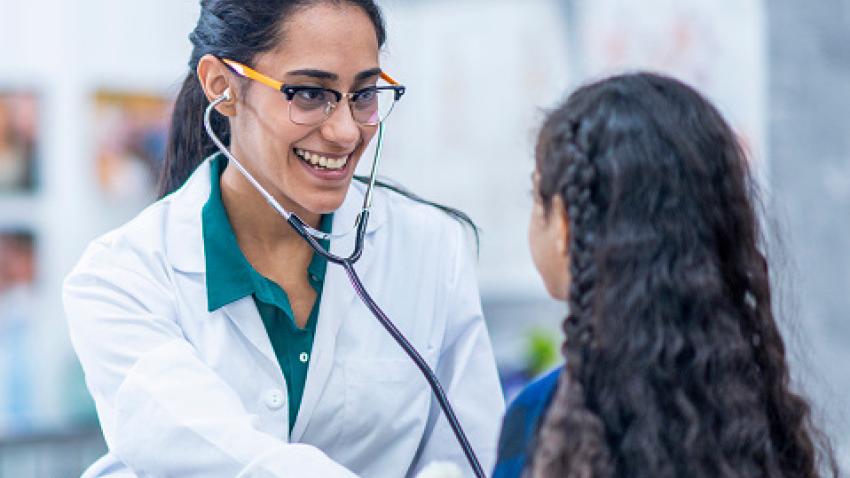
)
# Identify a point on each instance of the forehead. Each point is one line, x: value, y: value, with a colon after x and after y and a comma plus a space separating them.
x: 339, y: 38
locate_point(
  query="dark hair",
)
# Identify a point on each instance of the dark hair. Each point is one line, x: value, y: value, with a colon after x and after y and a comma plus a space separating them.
x: 674, y: 362
x: 240, y: 30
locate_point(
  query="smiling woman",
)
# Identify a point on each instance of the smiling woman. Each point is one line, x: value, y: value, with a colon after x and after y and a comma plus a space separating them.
x: 262, y: 127
x: 215, y: 341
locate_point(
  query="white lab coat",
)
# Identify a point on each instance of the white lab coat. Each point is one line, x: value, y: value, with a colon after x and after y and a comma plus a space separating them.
x: 184, y: 392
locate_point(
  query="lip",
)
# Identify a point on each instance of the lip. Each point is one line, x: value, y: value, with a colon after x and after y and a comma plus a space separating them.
x: 333, y: 175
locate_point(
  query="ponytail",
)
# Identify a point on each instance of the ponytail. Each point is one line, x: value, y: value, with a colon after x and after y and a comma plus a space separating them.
x: 188, y: 143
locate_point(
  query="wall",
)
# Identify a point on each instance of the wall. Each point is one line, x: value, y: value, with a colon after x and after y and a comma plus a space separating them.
x: 810, y: 183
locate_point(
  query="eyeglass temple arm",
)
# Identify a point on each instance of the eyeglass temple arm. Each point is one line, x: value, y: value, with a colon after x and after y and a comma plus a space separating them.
x: 389, y: 79
x: 253, y: 74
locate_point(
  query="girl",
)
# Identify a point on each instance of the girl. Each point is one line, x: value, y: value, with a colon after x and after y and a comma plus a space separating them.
x: 644, y: 222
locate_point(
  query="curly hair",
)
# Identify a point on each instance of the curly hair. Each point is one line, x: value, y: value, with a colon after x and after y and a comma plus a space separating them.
x: 674, y: 362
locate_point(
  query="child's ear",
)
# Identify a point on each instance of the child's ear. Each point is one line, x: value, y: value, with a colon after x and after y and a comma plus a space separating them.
x: 560, y: 226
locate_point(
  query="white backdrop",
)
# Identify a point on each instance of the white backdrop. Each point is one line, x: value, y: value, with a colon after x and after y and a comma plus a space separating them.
x: 479, y: 73
x: 718, y: 46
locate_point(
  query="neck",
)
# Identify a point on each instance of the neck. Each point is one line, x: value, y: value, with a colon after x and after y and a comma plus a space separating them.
x: 255, y: 222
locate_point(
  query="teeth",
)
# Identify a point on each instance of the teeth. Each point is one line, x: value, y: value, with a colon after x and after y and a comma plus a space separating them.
x: 321, y: 161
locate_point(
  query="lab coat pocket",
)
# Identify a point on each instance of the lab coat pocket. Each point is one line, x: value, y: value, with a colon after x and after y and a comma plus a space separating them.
x: 386, y: 404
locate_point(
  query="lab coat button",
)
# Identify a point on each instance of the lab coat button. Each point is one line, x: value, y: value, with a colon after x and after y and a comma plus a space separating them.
x: 274, y: 399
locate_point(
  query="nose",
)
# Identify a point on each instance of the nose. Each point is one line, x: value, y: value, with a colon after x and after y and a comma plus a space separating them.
x: 340, y: 127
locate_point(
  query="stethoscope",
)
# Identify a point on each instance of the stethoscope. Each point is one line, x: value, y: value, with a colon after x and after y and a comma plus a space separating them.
x: 312, y: 236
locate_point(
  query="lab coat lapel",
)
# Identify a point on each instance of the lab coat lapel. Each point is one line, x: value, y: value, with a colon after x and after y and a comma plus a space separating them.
x: 244, y: 315
x: 183, y: 237
x: 338, y: 299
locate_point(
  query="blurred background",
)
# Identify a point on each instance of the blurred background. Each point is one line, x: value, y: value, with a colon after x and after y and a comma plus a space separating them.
x: 85, y: 95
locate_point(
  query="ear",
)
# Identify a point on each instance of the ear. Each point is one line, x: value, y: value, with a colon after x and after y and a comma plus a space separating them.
x: 216, y: 80
x: 560, y: 226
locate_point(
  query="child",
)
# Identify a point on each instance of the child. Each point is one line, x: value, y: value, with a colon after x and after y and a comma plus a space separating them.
x: 645, y: 224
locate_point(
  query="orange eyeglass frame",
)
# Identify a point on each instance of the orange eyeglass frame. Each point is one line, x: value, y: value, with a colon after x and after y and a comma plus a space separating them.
x: 253, y: 74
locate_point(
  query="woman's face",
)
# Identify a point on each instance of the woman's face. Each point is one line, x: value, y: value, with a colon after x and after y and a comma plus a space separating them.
x: 332, y: 46
x: 548, y: 239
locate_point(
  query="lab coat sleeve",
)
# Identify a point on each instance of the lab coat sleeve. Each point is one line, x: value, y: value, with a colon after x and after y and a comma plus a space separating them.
x: 162, y: 410
x: 466, y: 368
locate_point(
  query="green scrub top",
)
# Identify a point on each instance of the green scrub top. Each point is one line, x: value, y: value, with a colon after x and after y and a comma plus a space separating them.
x: 231, y: 277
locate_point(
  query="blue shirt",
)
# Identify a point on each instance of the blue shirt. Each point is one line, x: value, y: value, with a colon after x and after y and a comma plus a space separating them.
x: 519, y: 427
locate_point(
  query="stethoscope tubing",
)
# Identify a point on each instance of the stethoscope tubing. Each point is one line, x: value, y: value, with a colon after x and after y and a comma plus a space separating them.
x: 347, y: 264
x: 429, y: 375
x: 409, y: 349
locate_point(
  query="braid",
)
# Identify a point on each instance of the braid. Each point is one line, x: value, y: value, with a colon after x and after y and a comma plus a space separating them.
x: 583, y: 452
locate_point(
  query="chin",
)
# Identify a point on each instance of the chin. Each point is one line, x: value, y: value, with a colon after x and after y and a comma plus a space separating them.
x: 328, y: 203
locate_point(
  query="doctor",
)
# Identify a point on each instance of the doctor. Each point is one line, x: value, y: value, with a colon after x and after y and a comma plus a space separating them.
x: 215, y: 343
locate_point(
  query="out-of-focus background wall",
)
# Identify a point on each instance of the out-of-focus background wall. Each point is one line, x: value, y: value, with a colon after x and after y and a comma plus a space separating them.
x: 85, y: 92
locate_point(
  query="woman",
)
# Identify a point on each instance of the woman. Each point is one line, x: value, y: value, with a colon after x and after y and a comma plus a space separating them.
x: 645, y: 223
x: 215, y: 342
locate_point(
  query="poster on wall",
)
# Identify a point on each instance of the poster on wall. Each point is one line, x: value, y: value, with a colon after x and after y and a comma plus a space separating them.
x: 717, y: 46
x: 18, y: 133
x: 130, y: 129
x: 17, y: 332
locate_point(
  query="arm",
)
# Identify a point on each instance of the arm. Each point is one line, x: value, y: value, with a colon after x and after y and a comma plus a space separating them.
x: 163, y: 411
x: 467, y: 370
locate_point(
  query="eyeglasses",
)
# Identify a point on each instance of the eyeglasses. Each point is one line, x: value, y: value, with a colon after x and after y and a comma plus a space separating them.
x: 312, y: 105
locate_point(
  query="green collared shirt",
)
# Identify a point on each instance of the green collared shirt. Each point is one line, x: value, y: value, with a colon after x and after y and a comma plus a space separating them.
x: 231, y: 277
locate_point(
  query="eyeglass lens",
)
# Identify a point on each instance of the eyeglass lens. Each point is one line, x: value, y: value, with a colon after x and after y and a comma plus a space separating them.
x: 368, y: 107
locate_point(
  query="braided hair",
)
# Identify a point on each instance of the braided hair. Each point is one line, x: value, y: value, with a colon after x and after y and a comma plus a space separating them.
x: 573, y: 180
x: 674, y: 363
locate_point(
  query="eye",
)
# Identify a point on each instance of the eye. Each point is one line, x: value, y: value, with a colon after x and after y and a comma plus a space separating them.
x: 366, y: 97
x: 311, y: 95
x: 310, y: 98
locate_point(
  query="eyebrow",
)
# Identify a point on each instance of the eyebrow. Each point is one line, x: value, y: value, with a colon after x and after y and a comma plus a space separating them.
x: 326, y: 75
x: 367, y: 74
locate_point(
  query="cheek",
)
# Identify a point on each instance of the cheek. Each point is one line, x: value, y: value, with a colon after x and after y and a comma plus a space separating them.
x: 367, y: 133
x: 550, y: 264
x: 541, y: 250
x: 281, y: 133
x: 265, y: 123
x: 534, y: 238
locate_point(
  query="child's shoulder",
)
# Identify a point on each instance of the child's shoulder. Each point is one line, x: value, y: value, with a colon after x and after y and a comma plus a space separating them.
x: 539, y: 390
x: 520, y: 424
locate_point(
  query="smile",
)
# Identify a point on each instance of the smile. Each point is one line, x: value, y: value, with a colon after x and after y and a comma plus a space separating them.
x: 321, y: 162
